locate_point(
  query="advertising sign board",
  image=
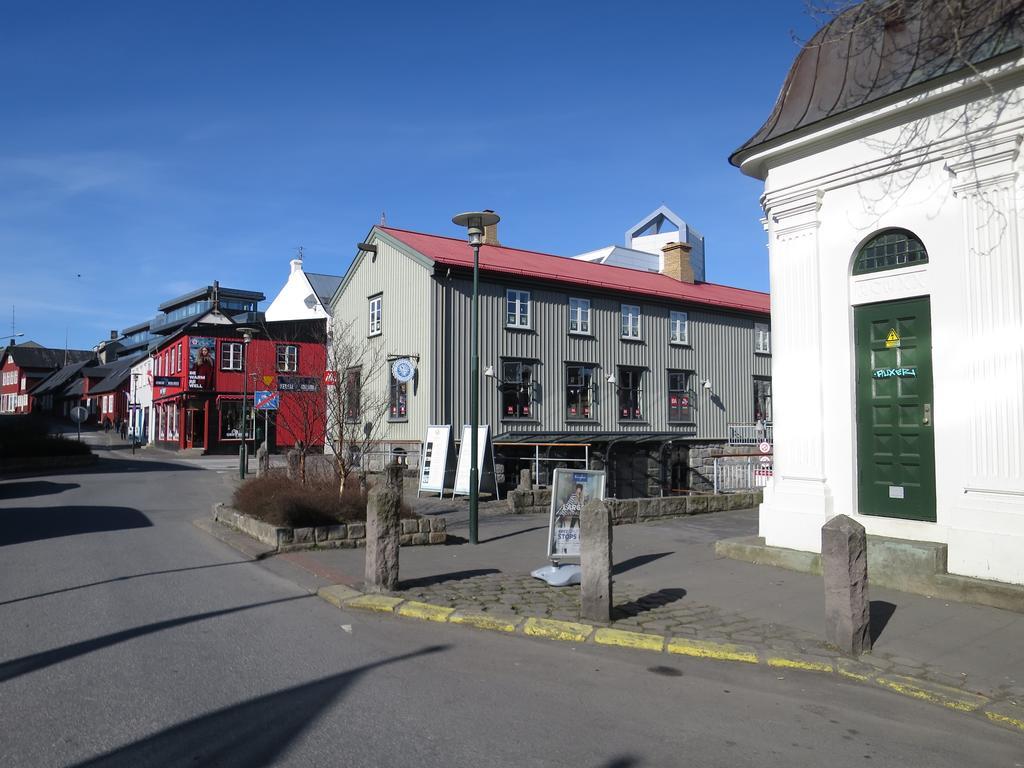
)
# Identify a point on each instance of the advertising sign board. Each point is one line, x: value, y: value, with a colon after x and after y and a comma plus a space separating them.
x: 571, y: 489
x: 434, y: 465
x: 201, y: 362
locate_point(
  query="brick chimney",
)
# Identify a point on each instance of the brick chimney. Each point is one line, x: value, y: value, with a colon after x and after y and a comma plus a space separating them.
x: 676, y: 262
x: 113, y: 335
x: 491, y: 232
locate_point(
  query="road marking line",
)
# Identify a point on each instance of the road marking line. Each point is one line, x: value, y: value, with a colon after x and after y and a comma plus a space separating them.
x: 482, y: 621
x: 553, y: 629
x: 381, y: 603
x: 425, y: 611
x: 783, y: 662
x: 952, y: 698
x: 708, y: 650
x: 625, y: 639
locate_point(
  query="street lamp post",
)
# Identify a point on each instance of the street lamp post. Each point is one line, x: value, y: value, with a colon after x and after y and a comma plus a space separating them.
x: 243, y: 456
x: 475, y: 222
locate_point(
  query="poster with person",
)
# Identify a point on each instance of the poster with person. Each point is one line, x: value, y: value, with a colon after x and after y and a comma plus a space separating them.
x: 571, y: 489
x: 201, y: 353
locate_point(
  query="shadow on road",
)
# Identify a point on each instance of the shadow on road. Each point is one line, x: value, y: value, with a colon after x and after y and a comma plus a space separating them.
x: 440, y: 578
x: 251, y: 734
x: 106, y: 465
x: 647, y: 603
x: 17, y: 667
x: 514, y: 533
x: 29, y: 488
x: 879, y: 613
x: 22, y: 524
x: 636, y: 562
x: 116, y: 579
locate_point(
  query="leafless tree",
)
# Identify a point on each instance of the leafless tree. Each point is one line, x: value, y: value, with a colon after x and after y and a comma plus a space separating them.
x: 358, y: 398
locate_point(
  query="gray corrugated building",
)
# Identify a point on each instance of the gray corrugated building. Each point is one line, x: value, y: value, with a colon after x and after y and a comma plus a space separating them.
x: 638, y: 372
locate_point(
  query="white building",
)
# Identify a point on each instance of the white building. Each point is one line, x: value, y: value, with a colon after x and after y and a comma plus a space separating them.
x: 305, y: 295
x: 140, y: 417
x: 645, y: 239
x: 893, y: 200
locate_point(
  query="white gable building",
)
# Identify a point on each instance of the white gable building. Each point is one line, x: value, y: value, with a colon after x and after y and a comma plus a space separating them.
x: 305, y: 295
x: 893, y: 200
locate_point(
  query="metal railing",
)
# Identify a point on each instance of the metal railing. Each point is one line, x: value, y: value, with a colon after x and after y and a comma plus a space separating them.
x: 741, y: 473
x: 750, y: 434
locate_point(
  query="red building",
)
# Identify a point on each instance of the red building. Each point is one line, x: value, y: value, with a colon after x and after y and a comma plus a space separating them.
x: 201, y: 372
x: 24, y: 366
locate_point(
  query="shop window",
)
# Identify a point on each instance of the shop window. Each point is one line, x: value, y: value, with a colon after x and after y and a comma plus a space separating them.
x: 231, y: 356
x: 516, y: 389
x: 579, y: 316
x: 630, y: 316
x: 679, y: 328
x: 398, y: 400
x: 630, y: 387
x: 762, y: 400
x: 287, y: 358
x: 517, y: 309
x: 891, y: 249
x: 352, y: 391
x: 376, y: 315
x: 579, y: 392
x: 680, y: 398
x: 231, y: 420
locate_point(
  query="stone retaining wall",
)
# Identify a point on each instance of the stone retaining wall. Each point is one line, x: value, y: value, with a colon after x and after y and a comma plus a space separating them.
x: 344, y: 535
x: 538, y: 501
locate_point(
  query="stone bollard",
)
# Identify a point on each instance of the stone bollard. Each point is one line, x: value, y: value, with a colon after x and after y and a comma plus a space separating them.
x: 294, y: 458
x: 525, y: 480
x: 262, y: 459
x: 596, y: 562
x: 844, y: 564
x: 383, y: 531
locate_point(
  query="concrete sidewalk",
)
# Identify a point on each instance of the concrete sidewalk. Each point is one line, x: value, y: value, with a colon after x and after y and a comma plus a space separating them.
x: 668, y: 580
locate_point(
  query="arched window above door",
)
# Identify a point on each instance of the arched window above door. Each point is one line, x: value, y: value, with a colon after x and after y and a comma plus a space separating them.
x: 890, y: 249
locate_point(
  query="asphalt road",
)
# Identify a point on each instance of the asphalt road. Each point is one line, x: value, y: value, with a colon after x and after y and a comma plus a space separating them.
x: 131, y: 638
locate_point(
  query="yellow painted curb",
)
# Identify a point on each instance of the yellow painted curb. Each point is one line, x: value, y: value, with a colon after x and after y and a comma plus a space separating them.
x: 629, y: 639
x: 853, y: 670
x: 932, y: 692
x: 708, y: 650
x: 482, y: 621
x: 425, y: 611
x: 1013, y: 721
x: 558, y: 630
x: 381, y: 603
x: 337, y: 594
x: 782, y: 662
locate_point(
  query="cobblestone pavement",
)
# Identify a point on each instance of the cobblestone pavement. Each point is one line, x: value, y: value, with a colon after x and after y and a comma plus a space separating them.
x: 665, y: 612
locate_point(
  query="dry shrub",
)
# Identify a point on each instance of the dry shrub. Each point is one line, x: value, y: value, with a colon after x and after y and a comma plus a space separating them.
x: 275, y: 499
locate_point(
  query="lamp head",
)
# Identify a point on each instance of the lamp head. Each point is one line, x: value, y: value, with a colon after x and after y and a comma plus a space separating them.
x: 707, y: 384
x: 611, y: 378
x: 247, y: 334
x: 489, y: 371
x: 475, y: 222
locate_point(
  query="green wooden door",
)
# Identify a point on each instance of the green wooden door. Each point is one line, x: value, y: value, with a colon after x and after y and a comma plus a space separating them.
x: 895, y: 442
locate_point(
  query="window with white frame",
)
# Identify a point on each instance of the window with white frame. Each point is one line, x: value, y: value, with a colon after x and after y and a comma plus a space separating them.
x: 376, y: 315
x: 517, y: 309
x: 231, y: 356
x: 630, y: 321
x: 287, y: 358
x: 762, y: 338
x: 678, y: 328
x: 579, y: 316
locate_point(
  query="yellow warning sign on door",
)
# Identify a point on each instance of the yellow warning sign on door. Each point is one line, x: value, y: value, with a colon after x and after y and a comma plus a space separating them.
x: 893, y: 339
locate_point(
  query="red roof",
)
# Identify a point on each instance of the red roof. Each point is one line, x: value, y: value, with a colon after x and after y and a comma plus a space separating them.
x: 456, y: 252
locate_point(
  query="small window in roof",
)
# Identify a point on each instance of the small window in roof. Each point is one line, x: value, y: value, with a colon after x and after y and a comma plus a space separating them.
x: 891, y: 249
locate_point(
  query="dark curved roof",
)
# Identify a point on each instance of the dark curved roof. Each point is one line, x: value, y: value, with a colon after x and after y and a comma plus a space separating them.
x: 882, y: 47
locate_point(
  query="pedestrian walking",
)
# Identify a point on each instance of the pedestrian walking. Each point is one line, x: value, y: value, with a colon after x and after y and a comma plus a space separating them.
x: 124, y: 429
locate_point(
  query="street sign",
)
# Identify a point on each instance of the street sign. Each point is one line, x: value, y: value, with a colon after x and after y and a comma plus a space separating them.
x: 266, y: 400
x: 765, y: 447
x: 330, y: 378
x: 79, y: 414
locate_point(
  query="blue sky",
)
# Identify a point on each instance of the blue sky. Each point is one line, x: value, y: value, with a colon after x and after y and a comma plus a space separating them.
x: 148, y: 148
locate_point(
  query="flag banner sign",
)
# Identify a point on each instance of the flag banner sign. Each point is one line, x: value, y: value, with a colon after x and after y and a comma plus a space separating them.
x: 571, y: 489
x: 201, y: 359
